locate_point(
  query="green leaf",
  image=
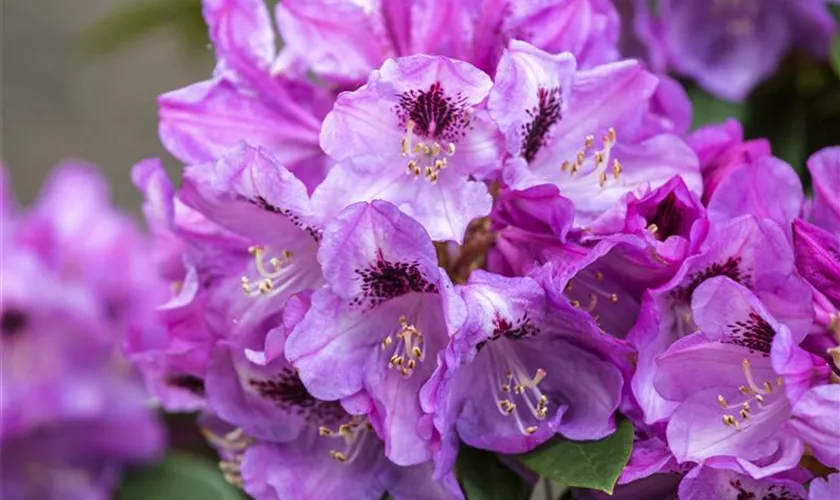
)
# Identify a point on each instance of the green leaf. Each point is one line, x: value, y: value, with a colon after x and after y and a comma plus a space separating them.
x: 834, y: 57
x: 708, y: 109
x: 180, y: 476
x: 584, y: 464
x: 484, y: 477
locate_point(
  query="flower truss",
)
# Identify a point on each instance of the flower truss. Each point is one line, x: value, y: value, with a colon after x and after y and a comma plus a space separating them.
x: 422, y: 228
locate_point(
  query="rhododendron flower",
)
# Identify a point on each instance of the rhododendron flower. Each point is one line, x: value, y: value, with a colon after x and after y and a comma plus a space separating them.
x: 499, y: 389
x: 755, y: 404
x: 415, y: 135
x: 70, y: 409
x: 374, y: 333
x: 583, y: 130
x: 246, y: 99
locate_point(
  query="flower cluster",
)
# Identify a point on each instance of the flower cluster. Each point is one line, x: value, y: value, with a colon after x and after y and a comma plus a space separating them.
x: 727, y: 46
x: 427, y: 225
x: 75, y: 281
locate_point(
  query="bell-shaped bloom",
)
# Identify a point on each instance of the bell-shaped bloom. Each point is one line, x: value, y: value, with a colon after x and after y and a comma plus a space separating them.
x: 246, y: 99
x: 414, y: 135
x: 707, y: 483
x: 247, y: 245
x: 277, y: 441
x: 194, y: 255
x: 75, y: 281
x: 341, y: 41
x: 327, y: 440
x: 753, y: 252
x: 721, y: 149
x: 521, y: 370
x: 730, y: 47
x: 670, y: 219
x: 825, y: 173
x: 825, y: 489
x: 747, y: 395
x: 350, y: 455
x: 373, y: 334
x: 585, y: 131
x: 622, y: 256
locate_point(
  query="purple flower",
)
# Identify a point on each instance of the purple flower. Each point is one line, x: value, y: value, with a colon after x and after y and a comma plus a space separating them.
x: 246, y: 99
x: 415, y: 135
x: 342, y: 41
x: 277, y: 441
x: 825, y: 489
x: 721, y: 150
x: 273, y: 471
x: 825, y: 172
x: 243, y: 229
x: 75, y: 281
x: 583, y: 122
x: 748, y: 397
x: 731, y: 46
x: 374, y: 332
x: 670, y: 219
x: 752, y: 252
x: 500, y: 386
x: 641, y: 243
x: 707, y: 483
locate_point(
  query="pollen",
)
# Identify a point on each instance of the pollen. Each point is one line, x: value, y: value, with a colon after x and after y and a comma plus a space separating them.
x: 409, y: 348
x: 268, y: 272
x: 753, y: 393
x: 599, y: 170
x: 353, y: 434
x: 521, y: 399
x: 428, y: 159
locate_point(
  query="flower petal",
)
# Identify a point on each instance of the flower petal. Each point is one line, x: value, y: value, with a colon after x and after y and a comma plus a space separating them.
x: 815, y: 422
x: 825, y: 171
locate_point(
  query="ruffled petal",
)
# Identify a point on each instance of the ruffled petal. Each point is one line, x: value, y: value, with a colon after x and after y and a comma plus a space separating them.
x: 825, y: 172
x: 768, y: 188
x: 815, y: 422
x: 248, y: 192
x: 376, y: 251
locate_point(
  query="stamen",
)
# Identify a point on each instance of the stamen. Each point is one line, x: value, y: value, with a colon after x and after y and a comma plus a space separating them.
x: 516, y: 386
x: 266, y: 283
x: 426, y: 158
x: 600, y: 158
x: 354, y: 434
x: 409, y: 348
x: 753, y: 391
